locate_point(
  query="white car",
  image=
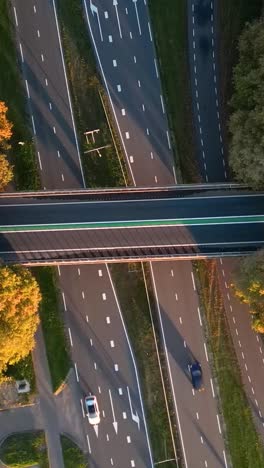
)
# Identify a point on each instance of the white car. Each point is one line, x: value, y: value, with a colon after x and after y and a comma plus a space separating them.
x: 92, y: 409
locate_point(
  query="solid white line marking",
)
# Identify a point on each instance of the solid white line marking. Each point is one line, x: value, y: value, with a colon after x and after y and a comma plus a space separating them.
x: 226, y: 466
x: 199, y: 314
x: 76, y: 372
x: 134, y: 363
x: 39, y: 160
x: 139, y: 27
x: 168, y: 366
x: 21, y: 52
x: 218, y: 422
x: 64, y: 301
x: 194, y: 287
x: 70, y: 336
x: 205, y: 350
x: 83, y: 413
x: 33, y: 124
x: 15, y: 13
x: 212, y: 387
x: 88, y: 443
x: 150, y: 34
x: 156, y: 68
x: 168, y: 138
x: 68, y: 92
x: 162, y: 104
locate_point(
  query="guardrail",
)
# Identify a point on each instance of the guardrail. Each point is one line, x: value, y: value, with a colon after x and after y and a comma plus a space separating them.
x: 124, y: 190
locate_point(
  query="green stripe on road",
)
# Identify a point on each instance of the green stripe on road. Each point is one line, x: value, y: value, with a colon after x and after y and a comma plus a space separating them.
x: 134, y: 224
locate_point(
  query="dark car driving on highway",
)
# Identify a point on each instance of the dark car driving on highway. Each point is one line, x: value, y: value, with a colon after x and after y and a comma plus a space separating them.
x: 196, y: 375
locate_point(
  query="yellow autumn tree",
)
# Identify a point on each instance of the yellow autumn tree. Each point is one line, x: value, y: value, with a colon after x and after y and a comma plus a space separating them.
x: 6, y: 172
x: 248, y: 284
x: 19, y: 300
x: 5, y: 125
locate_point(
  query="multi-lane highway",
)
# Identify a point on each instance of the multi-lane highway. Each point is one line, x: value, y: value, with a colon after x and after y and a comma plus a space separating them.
x: 202, y: 31
x: 39, y: 50
x: 137, y: 37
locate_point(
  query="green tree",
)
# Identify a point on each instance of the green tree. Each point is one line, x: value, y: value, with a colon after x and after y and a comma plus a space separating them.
x: 248, y: 284
x: 19, y: 301
x: 6, y: 171
x: 247, y: 120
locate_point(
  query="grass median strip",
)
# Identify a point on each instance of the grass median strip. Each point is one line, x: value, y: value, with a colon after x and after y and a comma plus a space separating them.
x: 130, y: 286
x: 105, y: 168
x: 244, y: 444
x: 72, y: 455
x: 52, y: 324
x: 24, y: 450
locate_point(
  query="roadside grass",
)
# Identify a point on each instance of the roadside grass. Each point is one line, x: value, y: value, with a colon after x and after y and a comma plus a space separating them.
x: 72, y: 455
x: 232, y: 16
x: 170, y: 31
x: 85, y: 87
x: 23, y: 450
x: 12, y: 93
x: 243, y: 442
x: 131, y: 292
x: 52, y: 325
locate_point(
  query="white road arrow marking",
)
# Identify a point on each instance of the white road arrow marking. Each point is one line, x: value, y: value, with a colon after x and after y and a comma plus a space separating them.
x: 113, y: 411
x: 96, y: 429
x: 135, y: 3
x: 135, y: 417
x: 117, y: 17
x: 94, y: 10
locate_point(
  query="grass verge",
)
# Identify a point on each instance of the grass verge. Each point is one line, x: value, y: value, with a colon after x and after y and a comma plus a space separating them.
x: 12, y: 93
x: 23, y: 370
x: 53, y: 327
x: 131, y: 291
x: 72, y: 455
x: 171, y: 39
x: 243, y: 441
x: 232, y: 16
x: 23, y: 450
x: 86, y: 90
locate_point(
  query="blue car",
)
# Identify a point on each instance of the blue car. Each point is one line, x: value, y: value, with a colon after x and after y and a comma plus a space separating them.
x: 196, y: 375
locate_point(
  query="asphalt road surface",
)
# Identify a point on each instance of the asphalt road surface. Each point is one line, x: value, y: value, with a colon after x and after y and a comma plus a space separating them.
x: 137, y: 37
x: 54, y: 136
x: 202, y: 30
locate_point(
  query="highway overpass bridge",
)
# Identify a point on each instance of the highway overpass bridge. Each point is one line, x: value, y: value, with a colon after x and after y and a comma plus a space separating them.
x: 130, y: 224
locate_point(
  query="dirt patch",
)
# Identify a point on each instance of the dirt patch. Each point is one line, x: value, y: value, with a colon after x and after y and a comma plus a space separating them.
x: 9, y: 397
